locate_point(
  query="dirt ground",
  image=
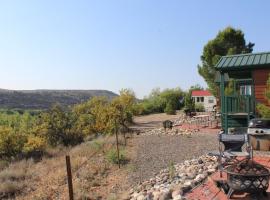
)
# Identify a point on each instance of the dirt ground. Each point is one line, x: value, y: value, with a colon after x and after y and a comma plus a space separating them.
x: 155, y: 152
x: 152, y: 121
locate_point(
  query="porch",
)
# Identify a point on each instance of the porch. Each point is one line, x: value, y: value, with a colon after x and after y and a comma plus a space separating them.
x: 242, y: 83
x: 237, y: 111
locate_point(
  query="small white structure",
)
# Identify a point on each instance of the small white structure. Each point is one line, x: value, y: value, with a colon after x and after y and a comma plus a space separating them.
x: 205, y: 98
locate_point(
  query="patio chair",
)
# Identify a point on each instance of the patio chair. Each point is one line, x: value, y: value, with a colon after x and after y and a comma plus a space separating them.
x: 230, y: 149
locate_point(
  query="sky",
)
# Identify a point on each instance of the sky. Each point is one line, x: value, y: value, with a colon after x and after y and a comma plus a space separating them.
x: 115, y: 44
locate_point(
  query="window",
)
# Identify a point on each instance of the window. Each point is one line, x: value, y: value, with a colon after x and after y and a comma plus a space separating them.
x: 198, y: 99
x: 211, y: 100
x: 202, y: 99
x: 245, y: 90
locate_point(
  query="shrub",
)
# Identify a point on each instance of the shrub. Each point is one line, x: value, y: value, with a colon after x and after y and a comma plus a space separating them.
x: 12, y: 174
x: 10, y: 188
x: 199, y: 107
x: 113, y: 158
x: 170, y: 110
x: 263, y: 110
x: 171, y: 170
x: 97, y: 145
x: 158, y: 101
x: 189, y: 103
x: 57, y: 126
x: 34, y: 144
x: 3, y: 164
x: 11, y: 143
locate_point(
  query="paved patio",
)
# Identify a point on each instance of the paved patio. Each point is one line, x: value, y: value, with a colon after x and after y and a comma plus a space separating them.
x: 209, y: 191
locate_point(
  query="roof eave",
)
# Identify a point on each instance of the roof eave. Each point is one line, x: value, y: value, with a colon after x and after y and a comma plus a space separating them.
x: 241, y: 68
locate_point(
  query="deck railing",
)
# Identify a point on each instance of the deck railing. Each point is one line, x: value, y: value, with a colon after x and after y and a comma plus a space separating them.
x: 239, y: 104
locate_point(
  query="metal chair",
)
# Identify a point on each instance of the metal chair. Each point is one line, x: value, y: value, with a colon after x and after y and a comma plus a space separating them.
x: 230, y: 149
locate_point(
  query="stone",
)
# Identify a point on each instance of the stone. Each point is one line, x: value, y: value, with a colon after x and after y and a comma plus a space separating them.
x: 165, y: 196
x: 187, y: 175
x: 200, y: 161
x: 156, y: 195
x: 176, y: 193
x: 178, y: 197
x: 131, y: 191
x: 135, y: 195
x: 210, y: 171
x: 199, y: 178
x: 141, y: 197
x: 191, y: 175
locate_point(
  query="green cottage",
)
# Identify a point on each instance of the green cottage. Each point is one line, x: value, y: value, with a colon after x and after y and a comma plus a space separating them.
x: 249, y: 73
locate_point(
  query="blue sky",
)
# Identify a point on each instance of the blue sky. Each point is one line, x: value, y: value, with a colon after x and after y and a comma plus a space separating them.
x: 138, y: 44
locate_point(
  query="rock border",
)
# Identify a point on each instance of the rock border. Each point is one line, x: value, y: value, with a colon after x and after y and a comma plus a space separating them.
x: 176, y: 180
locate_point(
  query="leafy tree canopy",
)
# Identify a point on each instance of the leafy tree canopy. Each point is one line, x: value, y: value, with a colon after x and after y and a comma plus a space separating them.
x: 227, y: 42
x: 196, y: 87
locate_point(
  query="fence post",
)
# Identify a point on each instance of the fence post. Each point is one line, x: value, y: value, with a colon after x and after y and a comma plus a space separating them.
x: 69, y: 177
x: 117, y: 144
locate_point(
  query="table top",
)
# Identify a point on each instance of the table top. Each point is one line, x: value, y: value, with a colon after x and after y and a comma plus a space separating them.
x: 201, y: 116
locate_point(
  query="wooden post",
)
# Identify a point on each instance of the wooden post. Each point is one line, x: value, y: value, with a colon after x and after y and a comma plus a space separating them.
x: 222, y: 98
x: 125, y: 139
x: 69, y: 177
x: 117, y: 145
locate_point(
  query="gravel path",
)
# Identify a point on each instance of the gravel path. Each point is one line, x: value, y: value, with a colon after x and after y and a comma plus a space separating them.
x: 154, y: 152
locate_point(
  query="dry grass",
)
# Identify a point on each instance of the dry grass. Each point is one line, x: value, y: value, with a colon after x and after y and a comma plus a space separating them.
x: 3, y: 164
x: 93, y: 176
x: 14, y: 178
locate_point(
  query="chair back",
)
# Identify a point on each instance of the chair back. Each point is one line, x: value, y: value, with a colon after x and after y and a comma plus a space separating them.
x: 233, y: 142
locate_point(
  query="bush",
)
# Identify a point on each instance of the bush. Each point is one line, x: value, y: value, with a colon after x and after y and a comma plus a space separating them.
x: 11, y: 143
x: 3, y: 164
x: 263, y: 110
x: 199, y: 107
x: 168, y: 100
x: 111, y: 156
x: 189, y: 103
x: 34, y: 144
x: 97, y: 145
x: 169, y: 109
x: 10, y: 188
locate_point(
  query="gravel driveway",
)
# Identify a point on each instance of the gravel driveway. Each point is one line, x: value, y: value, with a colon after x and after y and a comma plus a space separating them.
x: 154, y: 152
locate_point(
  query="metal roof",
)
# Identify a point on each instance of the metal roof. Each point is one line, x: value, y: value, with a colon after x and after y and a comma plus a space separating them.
x: 242, y: 60
x: 201, y: 93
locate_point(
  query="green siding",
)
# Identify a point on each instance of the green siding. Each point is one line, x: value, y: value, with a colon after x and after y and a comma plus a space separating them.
x: 235, y: 122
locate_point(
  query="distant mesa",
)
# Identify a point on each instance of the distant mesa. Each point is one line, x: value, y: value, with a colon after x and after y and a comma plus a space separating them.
x: 44, y: 99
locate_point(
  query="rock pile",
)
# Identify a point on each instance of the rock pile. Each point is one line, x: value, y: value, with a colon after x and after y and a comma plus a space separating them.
x: 172, y: 183
x: 173, y: 131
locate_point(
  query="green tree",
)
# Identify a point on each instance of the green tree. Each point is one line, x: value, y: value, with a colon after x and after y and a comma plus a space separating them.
x: 189, y: 103
x: 196, y: 87
x: 227, y: 42
x: 123, y: 108
x: 56, y: 125
x: 172, y: 97
x: 168, y: 100
x: 229, y: 89
x: 92, y: 116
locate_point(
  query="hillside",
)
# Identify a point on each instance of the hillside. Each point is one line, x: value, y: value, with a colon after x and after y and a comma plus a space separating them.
x: 43, y: 99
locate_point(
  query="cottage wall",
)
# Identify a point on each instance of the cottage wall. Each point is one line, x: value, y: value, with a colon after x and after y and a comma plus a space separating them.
x: 208, y: 103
